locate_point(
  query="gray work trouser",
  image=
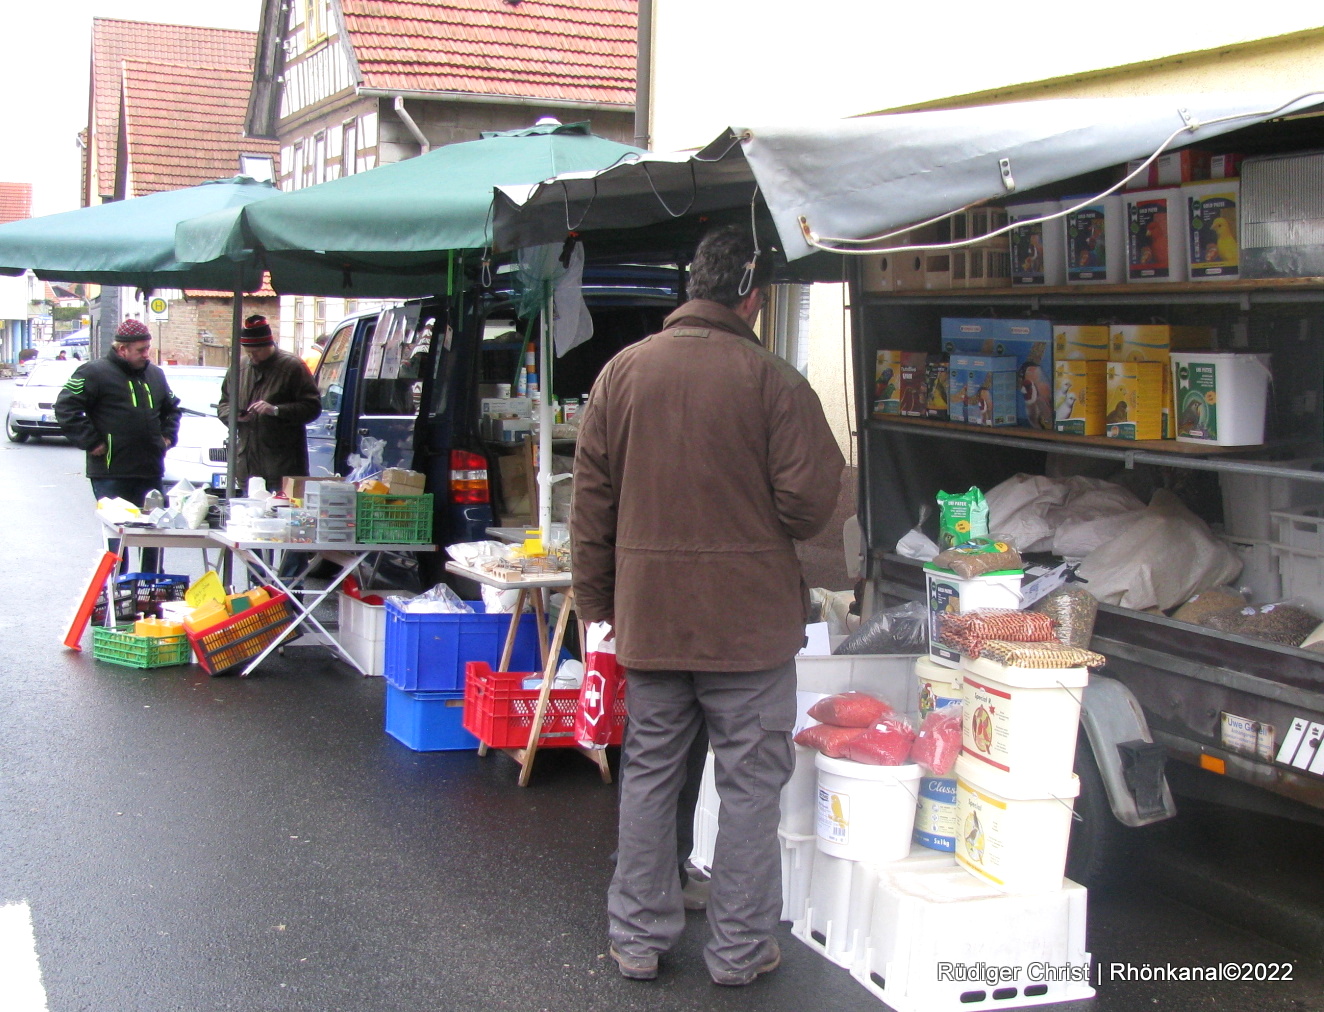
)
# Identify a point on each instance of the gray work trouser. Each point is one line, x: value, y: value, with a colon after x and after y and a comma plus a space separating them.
x: 750, y: 715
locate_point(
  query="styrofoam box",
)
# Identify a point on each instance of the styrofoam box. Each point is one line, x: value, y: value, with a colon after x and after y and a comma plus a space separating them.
x: 839, y: 908
x: 362, y: 631
x: 1259, y: 568
x: 927, y: 916
x: 1301, y: 528
x: 1302, y: 574
x: 1248, y: 498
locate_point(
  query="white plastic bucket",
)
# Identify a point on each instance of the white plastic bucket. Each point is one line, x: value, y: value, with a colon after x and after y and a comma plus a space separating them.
x: 935, y: 814
x: 1038, y: 256
x: 1012, y: 832
x: 1220, y: 397
x: 1021, y: 721
x: 865, y: 813
x: 938, y: 685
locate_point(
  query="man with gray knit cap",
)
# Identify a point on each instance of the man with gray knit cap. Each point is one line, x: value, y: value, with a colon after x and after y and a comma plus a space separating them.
x: 701, y: 458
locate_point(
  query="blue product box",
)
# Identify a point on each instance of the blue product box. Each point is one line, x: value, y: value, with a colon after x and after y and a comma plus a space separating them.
x: 1030, y: 342
x: 428, y: 721
x: 989, y: 384
x: 427, y: 652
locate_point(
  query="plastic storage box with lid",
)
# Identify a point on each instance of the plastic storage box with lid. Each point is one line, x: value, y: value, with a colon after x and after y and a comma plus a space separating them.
x: 1095, y: 240
x: 928, y: 917
x: 1220, y: 398
x: 1021, y: 721
x: 1038, y: 255
x: 1013, y: 831
x: 949, y: 594
x: 1212, y: 217
x: 428, y: 651
x: 1156, y: 235
x: 428, y: 721
x: 865, y: 813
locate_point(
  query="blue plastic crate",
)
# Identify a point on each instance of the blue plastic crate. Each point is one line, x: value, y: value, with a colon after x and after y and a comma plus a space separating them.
x: 427, y: 652
x: 428, y: 721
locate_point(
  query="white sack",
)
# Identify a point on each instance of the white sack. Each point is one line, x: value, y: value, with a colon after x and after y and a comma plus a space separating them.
x: 1166, y: 556
x: 1067, y: 516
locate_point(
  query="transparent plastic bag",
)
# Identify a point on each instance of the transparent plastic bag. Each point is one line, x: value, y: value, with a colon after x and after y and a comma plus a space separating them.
x: 939, y: 740
x: 979, y: 556
x: 887, y: 743
x: 850, y: 709
x: 439, y: 600
x: 1074, y: 610
x: 900, y: 630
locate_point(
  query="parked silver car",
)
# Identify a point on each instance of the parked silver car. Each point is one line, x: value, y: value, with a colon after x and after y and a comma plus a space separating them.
x: 32, y: 411
x: 199, y: 455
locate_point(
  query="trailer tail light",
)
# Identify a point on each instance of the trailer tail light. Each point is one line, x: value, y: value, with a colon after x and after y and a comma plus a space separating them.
x: 468, y: 478
x: 1213, y: 764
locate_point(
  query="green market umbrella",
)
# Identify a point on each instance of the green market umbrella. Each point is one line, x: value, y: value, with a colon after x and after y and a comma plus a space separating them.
x: 389, y: 232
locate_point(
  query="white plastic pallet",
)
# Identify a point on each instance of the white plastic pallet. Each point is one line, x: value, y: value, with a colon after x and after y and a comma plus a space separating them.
x: 925, y: 918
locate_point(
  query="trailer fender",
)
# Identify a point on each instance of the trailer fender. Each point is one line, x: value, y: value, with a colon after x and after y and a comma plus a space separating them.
x: 1130, y: 762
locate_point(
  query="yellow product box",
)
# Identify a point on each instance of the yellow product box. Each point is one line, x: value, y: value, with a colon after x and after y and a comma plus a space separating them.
x: 1154, y: 342
x: 1080, y: 396
x: 1135, y: 400
x: 1089, y: 343
x: 887, y: 384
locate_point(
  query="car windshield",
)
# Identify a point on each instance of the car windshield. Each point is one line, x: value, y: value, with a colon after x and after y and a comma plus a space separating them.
x: 51, y: 373
x: 197, y: 392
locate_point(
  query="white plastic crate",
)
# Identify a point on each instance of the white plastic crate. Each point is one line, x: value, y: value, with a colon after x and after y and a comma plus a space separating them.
x: 839, y: 907
x: 889, y: 676
x: 1259, y: 568
x: 925, y: 918
x: 1248, y: 498
x: 362, y: 631
x: 799, y: 852
x: 1302, y: 574
x: 1301, y: 527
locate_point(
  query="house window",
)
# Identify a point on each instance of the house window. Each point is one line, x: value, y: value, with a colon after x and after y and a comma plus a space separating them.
x: 315, y: 14
x: 351, y: 148
x: 259, y: 167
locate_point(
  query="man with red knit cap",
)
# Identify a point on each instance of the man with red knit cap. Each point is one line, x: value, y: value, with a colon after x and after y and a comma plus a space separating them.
x: 276, y: 397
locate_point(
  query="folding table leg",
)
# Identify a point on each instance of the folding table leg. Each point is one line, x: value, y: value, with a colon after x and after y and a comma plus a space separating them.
x: 544, y: 694
x: 521, y: 597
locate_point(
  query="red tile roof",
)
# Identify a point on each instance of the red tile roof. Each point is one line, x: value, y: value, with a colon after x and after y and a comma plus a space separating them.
x: 185, y: 124
x: 15, y: 201
x: 113, y: 41
x: 567, y: 50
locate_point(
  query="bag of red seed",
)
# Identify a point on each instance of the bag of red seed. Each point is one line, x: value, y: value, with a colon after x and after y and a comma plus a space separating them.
x: 939, y: 740
x: 850, y: 709
x: 887, y: 743
x: 827, y: 738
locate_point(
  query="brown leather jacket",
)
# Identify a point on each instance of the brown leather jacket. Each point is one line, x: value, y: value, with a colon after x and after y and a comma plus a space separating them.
x: 701, y: 457
x: 273, y: 446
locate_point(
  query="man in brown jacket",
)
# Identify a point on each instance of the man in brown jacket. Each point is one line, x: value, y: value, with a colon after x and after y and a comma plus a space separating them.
x: 701, y: 458
x: 277, y: 398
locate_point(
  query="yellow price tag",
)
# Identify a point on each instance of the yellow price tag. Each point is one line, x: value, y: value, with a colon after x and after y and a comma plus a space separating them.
x: 205, y: 588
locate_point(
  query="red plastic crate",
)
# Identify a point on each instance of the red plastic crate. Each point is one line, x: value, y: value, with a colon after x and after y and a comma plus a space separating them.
x: 239, y: 639
x: 499, y: 713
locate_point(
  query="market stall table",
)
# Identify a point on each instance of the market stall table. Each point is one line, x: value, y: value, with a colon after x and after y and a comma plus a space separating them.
x: 348, y: 557
x: 532, y: 586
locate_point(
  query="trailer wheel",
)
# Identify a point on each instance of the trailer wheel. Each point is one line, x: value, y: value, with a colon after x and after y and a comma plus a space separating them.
x: 1098, y: 840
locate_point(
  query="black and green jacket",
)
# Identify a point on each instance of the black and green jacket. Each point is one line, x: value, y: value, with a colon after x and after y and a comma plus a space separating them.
x: 131, y: 411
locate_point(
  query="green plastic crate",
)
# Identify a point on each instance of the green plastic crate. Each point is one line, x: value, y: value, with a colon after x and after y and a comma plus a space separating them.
x: 393, y: 519
x: 118, y: 646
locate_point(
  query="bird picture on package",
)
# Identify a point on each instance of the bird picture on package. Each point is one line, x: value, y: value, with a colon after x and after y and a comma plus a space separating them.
x: 1147, y: 239
x: 1213, y: 222
x: 1087, y: 251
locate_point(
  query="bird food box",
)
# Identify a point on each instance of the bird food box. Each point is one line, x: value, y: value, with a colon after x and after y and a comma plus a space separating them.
x: 1029, y: 342
x: 1155, y: 343
x: 1087, y: 343
x: 1080, y: 396
x: 1156, y: 235
x: 887, y: 383
x: 986, y: 386
x: 1135, y: 400
x: 914, y: 384
x: 937, y: 387
x: 1211, y: 210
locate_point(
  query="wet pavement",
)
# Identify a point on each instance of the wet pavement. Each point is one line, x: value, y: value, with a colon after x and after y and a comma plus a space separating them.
x: 200, y: 844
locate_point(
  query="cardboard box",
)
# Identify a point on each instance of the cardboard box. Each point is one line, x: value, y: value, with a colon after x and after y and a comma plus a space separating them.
x: 887, y: 383
x: 1224, y: 166
x: 1155, y: 343
x: 1080, y: 343
x: 1156, y: 235
x: 403, y: 481
x: 1080, y: 396
x: 1211, y: 216
x: 506, y: 430
x: 989, y: 384
x: 1030, y: 342
x: 293, y: 485
x: 1147, y: 180
x: 914, y: 380
x: 937, y: 270
x: 1135, y: 400
x: 1177, y: 167
x: 936, y: 383
x: 507, y: 407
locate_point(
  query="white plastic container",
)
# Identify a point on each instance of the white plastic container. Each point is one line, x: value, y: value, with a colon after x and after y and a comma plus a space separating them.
x: 890, y: 677
x: 362, y: 631
x: 1038, y: 255
x: 1012, y: 831
x: 1259, y: 568
x: 935, y: 814
x: 949, y: 594
x: 865, y: 813
x: 800, y: 795
x: 1212, y: 218
x: 938, y: 685
x: 799, y: 852
x: 1095, y: 241
x: 1248, y: 498
x: 1220, y: 397
x: 929, y: 917
x: 1021, y: 721
x: 1156, y: 235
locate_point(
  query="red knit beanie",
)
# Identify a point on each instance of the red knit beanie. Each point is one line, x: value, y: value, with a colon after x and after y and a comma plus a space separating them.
x: 132, y: 330
x: 256, y: 333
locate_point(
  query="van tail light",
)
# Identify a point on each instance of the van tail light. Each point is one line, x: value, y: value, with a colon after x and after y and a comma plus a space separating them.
x: 469, y: 478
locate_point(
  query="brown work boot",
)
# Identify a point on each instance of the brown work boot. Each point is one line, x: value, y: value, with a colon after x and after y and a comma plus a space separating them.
x: 772, y: 958
x: 634, y: 967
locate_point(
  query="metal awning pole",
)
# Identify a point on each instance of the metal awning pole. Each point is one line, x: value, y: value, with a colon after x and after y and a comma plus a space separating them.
x: 232, y: 443
x: 548, y: 353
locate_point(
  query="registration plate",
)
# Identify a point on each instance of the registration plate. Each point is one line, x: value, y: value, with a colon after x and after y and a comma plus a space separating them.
x: 45, y: 419
x: 218, y: 481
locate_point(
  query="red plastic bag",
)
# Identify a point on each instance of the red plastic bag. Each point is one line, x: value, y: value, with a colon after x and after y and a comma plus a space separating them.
x: 603, y: 681
x: 887, y: 743
x: 939, y: 741
x: 850, y: 709
x: 828, y: 738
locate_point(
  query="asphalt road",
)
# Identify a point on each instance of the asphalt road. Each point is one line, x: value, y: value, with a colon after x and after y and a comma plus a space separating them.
x: 189, y: 843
